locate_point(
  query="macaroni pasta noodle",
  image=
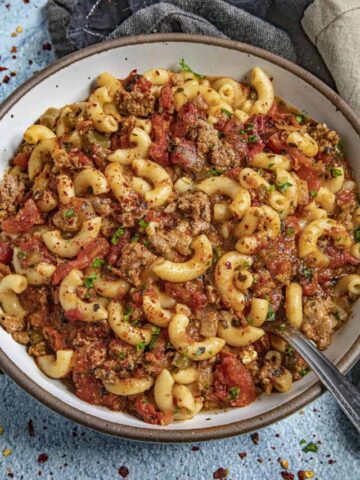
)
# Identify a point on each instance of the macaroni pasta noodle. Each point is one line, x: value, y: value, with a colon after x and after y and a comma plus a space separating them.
x: 152, y: 232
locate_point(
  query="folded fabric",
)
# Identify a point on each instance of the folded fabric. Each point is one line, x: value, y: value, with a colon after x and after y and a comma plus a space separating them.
x: 334, y: 28
x: 270, y: 24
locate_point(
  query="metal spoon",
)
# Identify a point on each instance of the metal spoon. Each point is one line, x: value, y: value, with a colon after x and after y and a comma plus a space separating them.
x: 344, y: 392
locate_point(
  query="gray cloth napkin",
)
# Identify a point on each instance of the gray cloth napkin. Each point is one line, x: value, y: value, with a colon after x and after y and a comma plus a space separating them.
x: 270, y: 24
x: 275, y: 25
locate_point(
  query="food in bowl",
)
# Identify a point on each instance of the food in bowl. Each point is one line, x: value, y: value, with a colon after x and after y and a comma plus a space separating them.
x: 149, y: 233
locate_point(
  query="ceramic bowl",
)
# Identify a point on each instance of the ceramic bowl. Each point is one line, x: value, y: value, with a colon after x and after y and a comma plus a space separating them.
x: 69, y: 80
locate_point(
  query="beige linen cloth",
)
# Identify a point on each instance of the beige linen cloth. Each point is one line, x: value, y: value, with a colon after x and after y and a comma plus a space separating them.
x: 333, y: 26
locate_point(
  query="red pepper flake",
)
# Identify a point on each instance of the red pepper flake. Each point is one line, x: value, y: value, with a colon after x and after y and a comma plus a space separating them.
x: 30, y: 427
x: 331, y: 461
x: 43, y: 458
x: 3, y: 68
x: 13, y: 74
x: 287, y: 475
x: 255, y: 437
x: 6, y: 79
x: 47, y: 46
x: 123, y: 471
x: 13, y: 49
x: 30, y: 62
x: 26, y: 1
x: 221, y: 474
x: 195, y: 448
x: 242, y: 455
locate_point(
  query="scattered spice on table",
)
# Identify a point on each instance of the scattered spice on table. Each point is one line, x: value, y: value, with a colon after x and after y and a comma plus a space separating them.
x: 7, y: 452
x: 1, y: 430
x: 305, y: 474
x: 242, y: 455
x: 221, y: 474
x: 43, y: 458
x: 284, y: 463
x: 123, y: 471
x: 47, y: 46
x: 255, y: 438
x: 287, y: 475
x: 30, y: 427
x: 195, y: 448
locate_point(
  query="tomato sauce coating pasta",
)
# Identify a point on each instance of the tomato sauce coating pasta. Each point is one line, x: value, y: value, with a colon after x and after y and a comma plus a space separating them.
x: 150, y: 232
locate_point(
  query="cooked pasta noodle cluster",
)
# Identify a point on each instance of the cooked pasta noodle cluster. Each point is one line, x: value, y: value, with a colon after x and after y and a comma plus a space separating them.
x: 150, y: 234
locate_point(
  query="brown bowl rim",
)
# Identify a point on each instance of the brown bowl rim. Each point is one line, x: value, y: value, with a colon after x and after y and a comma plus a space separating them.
x: 167, y: 435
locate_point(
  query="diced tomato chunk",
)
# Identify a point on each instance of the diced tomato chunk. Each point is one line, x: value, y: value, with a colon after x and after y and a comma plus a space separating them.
x: 115, y: 250
x: 6, y: 253
x: 28, y: 216
x: 233, y: 382
x: 160, y: 135
x: 21, y: 160
x: 149, y: 414
x: 339, y: 258
x: 167, y: 98
x: 97, y: 248
x: 312, y: 176
x: 74, y: 315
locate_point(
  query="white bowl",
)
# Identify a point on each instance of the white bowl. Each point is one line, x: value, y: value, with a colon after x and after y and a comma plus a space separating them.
x: 68, y: 81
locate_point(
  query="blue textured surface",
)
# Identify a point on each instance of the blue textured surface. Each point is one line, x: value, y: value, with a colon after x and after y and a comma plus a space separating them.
x: 77, y: 453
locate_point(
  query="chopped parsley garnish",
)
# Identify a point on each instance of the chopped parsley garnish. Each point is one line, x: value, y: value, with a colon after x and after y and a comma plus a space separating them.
x: 226, y: 112
x: 337, y: 316
x: 135, y: 238
x: 21, y: 254
x: 127, y: 314
x: 253, y: 139
x: 89, y: 281
x: 290, y: 232
x: 307, y: 273
x: 221, y: 134
x: 313, y: 193
x: 98, y: 262
x: 146, y: 243
x: 271, y: 188
x: 69, y: 213
x: 169, y: 346
x: 200, y: 351
x: 67, y: 146
x: 310, y: 447
x: 289, y: 351
x: 156, y: 331
x: 249, y: 126
x: 283, y: 186
x: 185, y: 68
x: 302, y: 442
x: 214, y: 172
x: 140, y: 346
x: 304, y: 372
x: 122, y: 355
x: 300, y: 118
x: 234, y: 392
x: 281, y: 327
x: 143, y: 223
x: 116, y: 237
x: 271, y: 165
x: 336, y: 172
x: 270, y: 317
x: 357, y: 235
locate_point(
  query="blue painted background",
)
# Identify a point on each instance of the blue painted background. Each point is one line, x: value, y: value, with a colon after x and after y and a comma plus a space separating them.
x: 73, y: 452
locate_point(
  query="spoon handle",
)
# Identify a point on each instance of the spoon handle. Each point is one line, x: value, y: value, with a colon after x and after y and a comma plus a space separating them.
x: 345, y: 393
